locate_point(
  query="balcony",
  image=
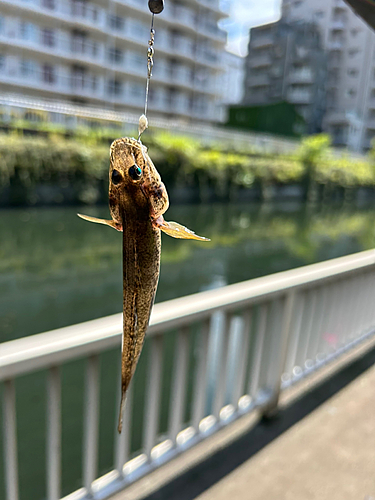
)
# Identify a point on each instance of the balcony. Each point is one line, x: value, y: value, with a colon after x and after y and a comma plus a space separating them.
x: 211, y: 30
x: 85, y: 13
x: 82, y: 50
x: 183, y: 16
x: 176, y: 44
x: 299, y: 96
x: 258, y: 80
x: 260, y: 62
x: 179, y: 105
x: 340, y: 4
x: 336, y: 45
x: 338, y: 25
x: 181, y: 75
x: 213, y: 5
x: 262, y: 41
x: 371, y: 124
x: 302, y: 76
x: 50, y: 81
x: 207, y: 57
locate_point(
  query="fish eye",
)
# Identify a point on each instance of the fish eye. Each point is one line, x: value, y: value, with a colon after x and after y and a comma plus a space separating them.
x: 135, y: 172
x: 116, y: 177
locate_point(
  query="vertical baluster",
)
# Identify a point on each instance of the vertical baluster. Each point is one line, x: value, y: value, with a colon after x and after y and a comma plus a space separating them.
x: 177, y: 401
x: 273, y: 337
x: 243, y: 356
x: 323, y: 323
x: 122, y: 449
x: 318, y: 322
x: 370, y: 302
x: 350, y: 307
x: 200, y: 383
x: 343, y: 297
x: 222, y: 369
x: 311, y: 303
x: 282, y: 345
x: 10, y: 441
x: 362, y: 326
x: 53, y: 433
x: 295, y: 334
x: 328, y: 325
x: 357, y: 305
x: 151, y: 418
x: 260, y: 334
x: 91, y: 423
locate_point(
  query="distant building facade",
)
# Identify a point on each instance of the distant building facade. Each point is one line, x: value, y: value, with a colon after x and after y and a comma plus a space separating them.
x: 94, y: 53
x: 286, y: 62
x: 350, y: 47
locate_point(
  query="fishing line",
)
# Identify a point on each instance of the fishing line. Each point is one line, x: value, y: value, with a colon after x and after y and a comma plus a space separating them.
x: 155, y: 6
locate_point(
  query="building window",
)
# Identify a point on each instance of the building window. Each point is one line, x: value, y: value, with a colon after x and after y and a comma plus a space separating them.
x: 352, y: 92
x: 319, y: 14
x: 49, y: 4
x: 116, y: 22
x: 137, y: 59
x: 114, y: 87
x: 48, y: 37
x: 27, y: 67
x: 79, y: 43
x: 27, y: 31
x: 136, y: 90
x: 79, y: 8
x: 352, y: 72
x: 48, y: 74
x: 353, y: 52
x: 115, y: 55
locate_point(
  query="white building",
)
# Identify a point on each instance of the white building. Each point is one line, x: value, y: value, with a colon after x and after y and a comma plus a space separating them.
x: 350, y: 43
x: 94, y: 53
x: 232, y: 79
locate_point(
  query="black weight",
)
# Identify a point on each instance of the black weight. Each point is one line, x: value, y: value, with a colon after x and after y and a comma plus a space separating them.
x: 156, y: 6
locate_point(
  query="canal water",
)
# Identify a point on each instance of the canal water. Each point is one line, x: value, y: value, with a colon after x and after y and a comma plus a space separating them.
x: 56, y: 270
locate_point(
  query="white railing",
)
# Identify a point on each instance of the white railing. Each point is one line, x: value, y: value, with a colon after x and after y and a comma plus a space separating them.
x: 251, y: 340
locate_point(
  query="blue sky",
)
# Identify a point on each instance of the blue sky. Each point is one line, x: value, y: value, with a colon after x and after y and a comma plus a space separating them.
x: 243, y: 14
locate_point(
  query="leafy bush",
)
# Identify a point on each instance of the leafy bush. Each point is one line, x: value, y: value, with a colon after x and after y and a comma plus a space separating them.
x: 81, y: 164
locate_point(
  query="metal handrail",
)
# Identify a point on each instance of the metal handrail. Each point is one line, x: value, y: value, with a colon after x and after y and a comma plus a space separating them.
x: 256, y: 337
x: 44, y: 349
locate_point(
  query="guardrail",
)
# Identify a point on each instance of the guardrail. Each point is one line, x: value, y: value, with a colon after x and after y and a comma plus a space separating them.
x: 234, y: 350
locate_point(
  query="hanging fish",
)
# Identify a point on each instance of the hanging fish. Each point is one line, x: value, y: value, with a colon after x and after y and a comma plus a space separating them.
x: 137, y: 202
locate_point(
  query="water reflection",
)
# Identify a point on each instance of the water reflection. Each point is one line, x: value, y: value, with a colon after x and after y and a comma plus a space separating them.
x: 56, y: 269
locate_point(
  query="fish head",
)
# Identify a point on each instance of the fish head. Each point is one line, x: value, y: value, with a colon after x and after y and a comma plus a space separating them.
x: 134, y: 182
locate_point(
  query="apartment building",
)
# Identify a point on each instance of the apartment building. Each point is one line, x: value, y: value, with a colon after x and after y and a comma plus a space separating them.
x: 231, y: 81
x: 94, y: 53
x: 286, y: 62
x: 350, y: 47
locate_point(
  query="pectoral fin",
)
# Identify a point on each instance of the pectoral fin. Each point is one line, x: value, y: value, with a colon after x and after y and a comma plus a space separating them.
x: 178, y: 231
x: 110, y: 223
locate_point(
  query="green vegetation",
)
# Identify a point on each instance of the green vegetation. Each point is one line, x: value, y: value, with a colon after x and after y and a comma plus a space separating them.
x: 280, y: 118
x: 57, y: 169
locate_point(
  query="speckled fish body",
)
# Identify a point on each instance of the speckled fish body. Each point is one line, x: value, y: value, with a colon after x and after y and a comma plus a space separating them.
x: 137, y: 202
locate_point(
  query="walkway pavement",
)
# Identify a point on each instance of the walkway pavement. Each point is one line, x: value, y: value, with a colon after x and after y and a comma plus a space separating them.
x: 321, y: 447
x: 328, y: 455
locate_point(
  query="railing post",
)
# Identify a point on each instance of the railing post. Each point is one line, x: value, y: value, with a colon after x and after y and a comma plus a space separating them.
x: 271, y: 407
x: 10, y: 441
x: 54, y: 434
x: 91, y: 423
